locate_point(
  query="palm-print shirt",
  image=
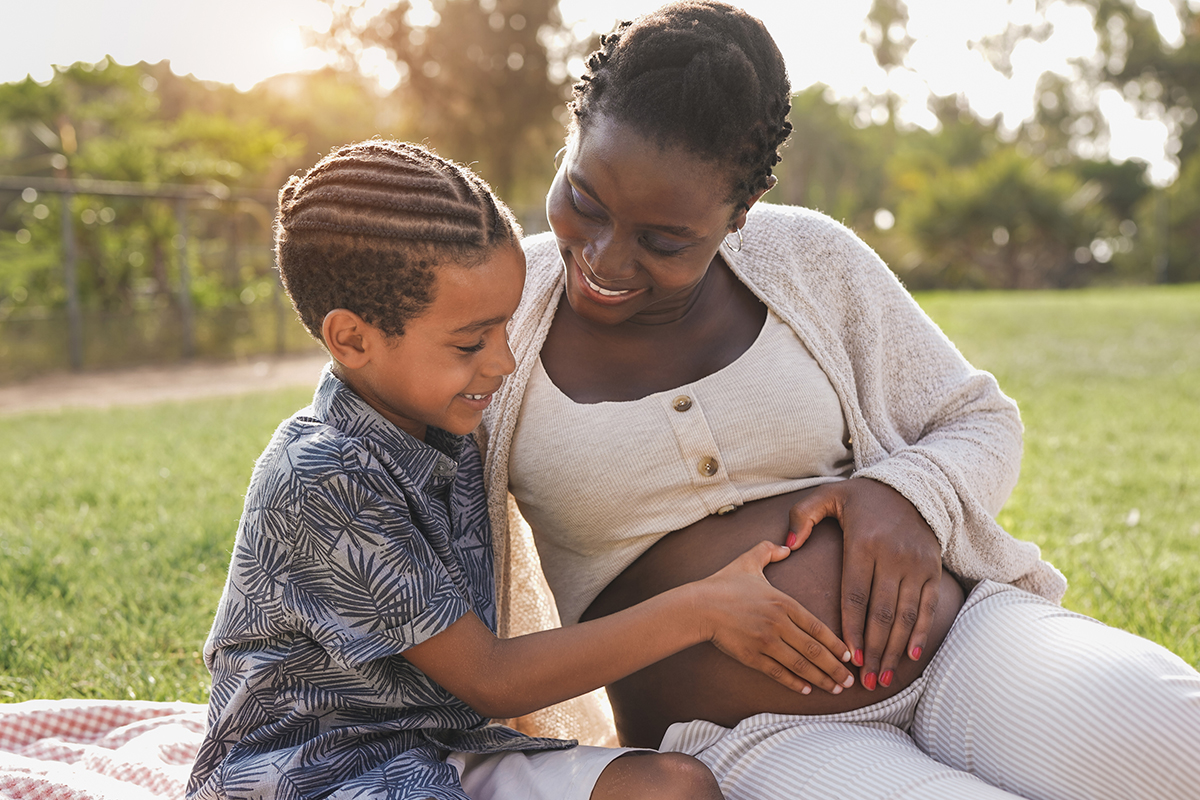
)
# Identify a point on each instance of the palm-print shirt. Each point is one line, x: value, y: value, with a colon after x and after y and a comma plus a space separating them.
x: 357, y: 541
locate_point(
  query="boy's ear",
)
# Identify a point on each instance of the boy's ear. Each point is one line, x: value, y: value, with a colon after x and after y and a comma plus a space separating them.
x: 348, y: 337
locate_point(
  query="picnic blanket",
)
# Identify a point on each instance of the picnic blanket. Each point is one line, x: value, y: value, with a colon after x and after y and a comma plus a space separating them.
x: 97, y: 749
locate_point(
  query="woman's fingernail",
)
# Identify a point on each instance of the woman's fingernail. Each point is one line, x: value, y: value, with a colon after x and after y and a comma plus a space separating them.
x: 791, y: 539
x: 848, y: 682
x: 869, y: 681
x: 846, y: 656
x: 858, y: 658
x: 806, y: 690
x: 885, y: 679
x: 837, y: 690
x: 916, y: 653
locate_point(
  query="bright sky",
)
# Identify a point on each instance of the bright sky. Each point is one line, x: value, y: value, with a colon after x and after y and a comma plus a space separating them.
x: 243, y: 41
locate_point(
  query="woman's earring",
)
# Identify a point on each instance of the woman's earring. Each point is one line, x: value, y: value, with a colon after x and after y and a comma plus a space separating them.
x: 737, y: 249
x: 558, y: 158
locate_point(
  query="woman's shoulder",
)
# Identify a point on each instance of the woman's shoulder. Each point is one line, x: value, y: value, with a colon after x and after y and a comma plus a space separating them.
x: 801, y: 244
x: 784, y: 222
x: 541, y: 251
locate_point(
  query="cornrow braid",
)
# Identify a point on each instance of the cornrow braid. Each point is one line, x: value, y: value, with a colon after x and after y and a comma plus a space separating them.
x: 696, y: 74
x: 366, y: 227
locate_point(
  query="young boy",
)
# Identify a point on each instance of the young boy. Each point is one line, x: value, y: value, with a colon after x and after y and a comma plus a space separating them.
x: 353, y: 652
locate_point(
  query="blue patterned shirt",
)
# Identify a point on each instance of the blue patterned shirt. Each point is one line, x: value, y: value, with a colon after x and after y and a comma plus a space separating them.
x: 357, y: 541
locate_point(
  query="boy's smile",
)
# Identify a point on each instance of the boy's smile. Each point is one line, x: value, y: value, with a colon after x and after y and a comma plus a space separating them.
x: 451, y: 359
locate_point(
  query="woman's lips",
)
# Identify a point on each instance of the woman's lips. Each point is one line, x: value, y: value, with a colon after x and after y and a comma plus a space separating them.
x: 597, y: 293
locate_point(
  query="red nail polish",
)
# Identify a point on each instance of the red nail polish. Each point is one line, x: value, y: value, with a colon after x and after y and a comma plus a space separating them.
x: 791, y: 539
x: 858, y: 658
x: 869, y: 681
x: 885, y: 679
x: 916, y: 653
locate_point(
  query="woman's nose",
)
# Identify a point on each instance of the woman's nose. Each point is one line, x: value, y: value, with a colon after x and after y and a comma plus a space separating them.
x: 606, y: 260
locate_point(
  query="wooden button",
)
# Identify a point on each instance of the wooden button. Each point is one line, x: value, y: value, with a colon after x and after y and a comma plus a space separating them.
x: 723, y: 510
x: 681, y: 403
x: 708, y: 467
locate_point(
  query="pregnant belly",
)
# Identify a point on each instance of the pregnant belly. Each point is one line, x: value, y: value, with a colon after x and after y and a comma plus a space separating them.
x: 704, y: 683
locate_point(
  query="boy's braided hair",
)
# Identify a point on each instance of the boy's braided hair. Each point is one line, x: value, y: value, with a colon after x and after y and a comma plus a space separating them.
x: 365, y: 228
x: 695, y: 74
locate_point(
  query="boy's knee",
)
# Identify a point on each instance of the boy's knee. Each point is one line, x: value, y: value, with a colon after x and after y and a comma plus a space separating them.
x: 657, y: 776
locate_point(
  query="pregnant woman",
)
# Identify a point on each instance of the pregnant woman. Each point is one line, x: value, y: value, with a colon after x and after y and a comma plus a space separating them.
x: 698, y: 371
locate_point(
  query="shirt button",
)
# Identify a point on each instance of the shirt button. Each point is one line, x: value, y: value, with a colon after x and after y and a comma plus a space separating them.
x: 708, y: 467
x: 681, y: 403
x: 723, y: 510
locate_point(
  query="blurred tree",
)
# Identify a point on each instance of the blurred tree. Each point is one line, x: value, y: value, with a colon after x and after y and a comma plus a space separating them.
x: 831, y: 164
x: 1004, y: 221
x: 140, y: 124
x: 1159, y: 76
x: 488, y: 78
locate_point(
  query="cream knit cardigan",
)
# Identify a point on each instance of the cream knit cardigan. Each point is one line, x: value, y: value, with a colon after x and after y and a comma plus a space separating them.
x: 921, y: 419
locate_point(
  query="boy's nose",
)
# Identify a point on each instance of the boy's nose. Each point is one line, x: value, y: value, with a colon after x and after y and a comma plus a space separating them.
x: 504, y: 362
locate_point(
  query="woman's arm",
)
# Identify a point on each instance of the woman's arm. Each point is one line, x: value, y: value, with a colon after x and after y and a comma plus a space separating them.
x: 736, y: 609
x: 937, y: 438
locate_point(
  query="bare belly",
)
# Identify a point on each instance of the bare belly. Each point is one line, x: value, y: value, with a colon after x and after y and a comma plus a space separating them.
x: 702, y: 682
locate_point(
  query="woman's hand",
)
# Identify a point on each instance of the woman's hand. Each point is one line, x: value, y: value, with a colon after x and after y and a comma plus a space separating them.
x: 891, y: 566
x: 750, y: 620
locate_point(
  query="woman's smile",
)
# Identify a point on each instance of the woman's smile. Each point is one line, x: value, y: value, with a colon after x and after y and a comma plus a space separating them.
x: 596, y: 292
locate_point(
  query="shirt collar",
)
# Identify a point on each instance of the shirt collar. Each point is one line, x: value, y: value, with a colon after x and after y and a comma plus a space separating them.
x: 435, y: 459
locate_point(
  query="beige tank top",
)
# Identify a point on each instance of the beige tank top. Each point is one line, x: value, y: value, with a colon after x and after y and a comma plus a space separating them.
x: 600, y: 483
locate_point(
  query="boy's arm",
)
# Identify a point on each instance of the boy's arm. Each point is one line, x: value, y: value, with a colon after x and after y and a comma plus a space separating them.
x: 736, y: 609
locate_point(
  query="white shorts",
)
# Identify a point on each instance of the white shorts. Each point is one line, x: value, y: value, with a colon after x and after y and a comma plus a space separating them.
x: 536, y: 775
x: 1025, y: 699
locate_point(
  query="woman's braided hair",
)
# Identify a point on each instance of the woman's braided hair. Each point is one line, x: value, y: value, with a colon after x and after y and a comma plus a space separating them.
x: 695, y: 74
x: 366, y: 227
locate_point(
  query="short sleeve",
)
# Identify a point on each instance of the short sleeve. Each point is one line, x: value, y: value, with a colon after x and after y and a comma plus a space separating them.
x: 366, y: 582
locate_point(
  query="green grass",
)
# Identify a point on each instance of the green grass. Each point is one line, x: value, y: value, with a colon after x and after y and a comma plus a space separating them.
x: 115, y: 534
x: 1109, y: 388
x: 116, y: 525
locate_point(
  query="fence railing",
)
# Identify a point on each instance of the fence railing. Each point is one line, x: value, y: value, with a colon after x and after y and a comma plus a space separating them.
x: 36, y: 343
x: 75, y: 339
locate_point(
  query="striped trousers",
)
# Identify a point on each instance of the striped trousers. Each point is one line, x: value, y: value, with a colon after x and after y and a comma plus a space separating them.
x: 1024, y: 699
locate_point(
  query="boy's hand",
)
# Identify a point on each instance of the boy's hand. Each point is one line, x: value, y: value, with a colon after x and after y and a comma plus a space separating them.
x: 750, y: 620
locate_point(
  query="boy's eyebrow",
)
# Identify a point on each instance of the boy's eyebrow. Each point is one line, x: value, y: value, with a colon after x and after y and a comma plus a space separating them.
x: 471, y: 327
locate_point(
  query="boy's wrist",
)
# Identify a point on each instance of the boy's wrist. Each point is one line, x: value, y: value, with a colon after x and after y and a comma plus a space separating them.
x: 695, y: 605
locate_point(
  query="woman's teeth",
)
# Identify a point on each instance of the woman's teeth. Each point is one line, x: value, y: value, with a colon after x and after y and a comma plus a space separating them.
x: 601, y: 289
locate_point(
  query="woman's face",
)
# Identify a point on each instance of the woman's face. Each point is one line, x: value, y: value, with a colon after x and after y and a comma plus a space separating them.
x: 637, y: 224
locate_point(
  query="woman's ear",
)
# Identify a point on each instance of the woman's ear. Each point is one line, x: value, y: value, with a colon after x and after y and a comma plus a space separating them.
x: 740, y: 219
x: 348, y: 338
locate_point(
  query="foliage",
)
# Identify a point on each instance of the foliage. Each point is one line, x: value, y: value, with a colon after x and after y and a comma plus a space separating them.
x: 1161, y: 80
x: 488, y: 75
x: 118, y: 527
x: 1004, y: 221
x: 966, y: 204
x: 832, y: 165
x: 143, y: 124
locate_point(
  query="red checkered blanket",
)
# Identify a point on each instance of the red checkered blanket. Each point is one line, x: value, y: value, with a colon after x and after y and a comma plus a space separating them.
x: 97, y: 749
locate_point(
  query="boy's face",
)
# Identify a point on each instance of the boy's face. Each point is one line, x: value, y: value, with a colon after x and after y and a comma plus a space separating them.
x: 445, y: 368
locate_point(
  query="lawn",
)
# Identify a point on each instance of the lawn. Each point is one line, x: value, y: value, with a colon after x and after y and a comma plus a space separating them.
x: 116, y: 527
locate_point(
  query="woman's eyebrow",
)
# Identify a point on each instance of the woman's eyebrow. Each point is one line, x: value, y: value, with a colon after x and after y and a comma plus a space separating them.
x: 682, y: 231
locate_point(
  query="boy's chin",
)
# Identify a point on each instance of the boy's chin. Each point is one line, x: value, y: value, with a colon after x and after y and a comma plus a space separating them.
x: 462, y: 427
